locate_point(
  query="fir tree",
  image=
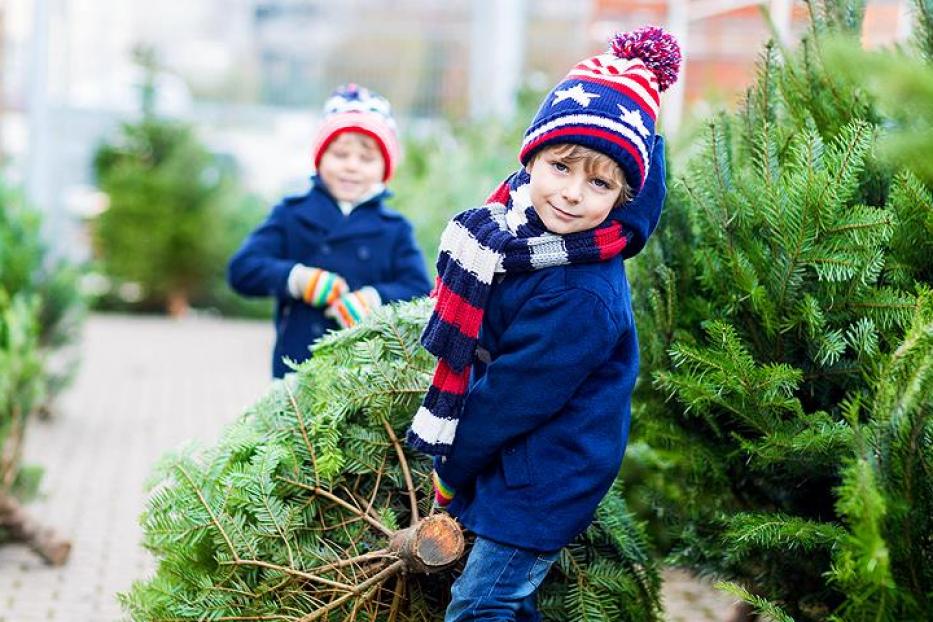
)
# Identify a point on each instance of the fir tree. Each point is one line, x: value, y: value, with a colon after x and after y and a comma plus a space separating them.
x: 27, y: 267
x: 22, y: 386
x: 175, y: 211
x: 885, y: 565
x: 292, y: 514
x: 21, y: 381
x: 40, y: 310
x: 783, y: 278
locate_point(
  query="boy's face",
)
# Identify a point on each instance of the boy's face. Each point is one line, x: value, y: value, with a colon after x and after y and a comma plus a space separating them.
x: 572, y: 194
x: 351, y: 166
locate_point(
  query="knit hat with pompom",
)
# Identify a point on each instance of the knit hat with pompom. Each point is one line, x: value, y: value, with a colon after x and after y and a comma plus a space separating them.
x: 353, y: 108
x: 610, y: 102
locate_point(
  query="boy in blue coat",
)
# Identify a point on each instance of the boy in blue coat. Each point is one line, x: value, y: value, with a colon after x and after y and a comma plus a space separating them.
x: 528, y: 413
x: 331, y: 256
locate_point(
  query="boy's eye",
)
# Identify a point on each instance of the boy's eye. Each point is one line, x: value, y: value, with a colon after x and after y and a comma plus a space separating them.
x: 601, y: 183
x: 560, y: 167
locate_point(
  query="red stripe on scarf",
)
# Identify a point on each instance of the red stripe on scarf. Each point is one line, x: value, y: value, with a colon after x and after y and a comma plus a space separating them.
x: 456, y: 311
x: 501, y: 194
x: 576, y: 130
x: 450, y: 381
x: 610, y: 240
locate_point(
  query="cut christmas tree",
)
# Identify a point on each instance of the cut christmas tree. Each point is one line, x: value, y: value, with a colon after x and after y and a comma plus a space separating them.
x: 310, y: 508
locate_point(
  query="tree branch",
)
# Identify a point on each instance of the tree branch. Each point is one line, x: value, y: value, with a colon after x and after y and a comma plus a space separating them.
x: 359, y: 559
x: 389, y: 571
x: 304, y: 432
x: 289, y: 571
x: 210, y: 512
x: 412, y: 498
x: 332, y: 497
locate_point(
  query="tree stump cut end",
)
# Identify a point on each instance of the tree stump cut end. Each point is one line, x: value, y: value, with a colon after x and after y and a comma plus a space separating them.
x: 431, y: 545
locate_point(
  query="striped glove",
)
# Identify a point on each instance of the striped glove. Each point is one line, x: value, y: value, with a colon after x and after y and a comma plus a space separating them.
x: 350, y: 308
x: 315, y: 286
x: 443, y: 493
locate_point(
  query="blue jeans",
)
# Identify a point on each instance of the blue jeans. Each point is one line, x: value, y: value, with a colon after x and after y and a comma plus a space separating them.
x: 498, y: 584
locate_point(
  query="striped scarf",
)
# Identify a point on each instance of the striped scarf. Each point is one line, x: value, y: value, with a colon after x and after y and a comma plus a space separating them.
x: 506, y: 235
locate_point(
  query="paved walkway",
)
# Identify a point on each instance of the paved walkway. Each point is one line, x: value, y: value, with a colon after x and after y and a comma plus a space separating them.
x: 147, y: 385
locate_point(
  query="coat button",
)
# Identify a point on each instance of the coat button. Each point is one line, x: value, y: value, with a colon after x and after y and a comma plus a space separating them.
x: 483, y: 355
x: 363, y: 253
x: 510, y: 450
x: 317, y: 328
x: 325, y: 249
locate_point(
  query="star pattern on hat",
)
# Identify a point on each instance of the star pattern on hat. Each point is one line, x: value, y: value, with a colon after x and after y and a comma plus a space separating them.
x: 633, y: 118
x: 577, y: 93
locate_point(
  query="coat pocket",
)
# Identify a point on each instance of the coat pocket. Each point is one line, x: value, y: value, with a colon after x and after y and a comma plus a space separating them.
x: 515, y: 465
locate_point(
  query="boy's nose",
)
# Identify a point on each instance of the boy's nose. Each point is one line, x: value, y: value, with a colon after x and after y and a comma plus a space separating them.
x: 572, y: 192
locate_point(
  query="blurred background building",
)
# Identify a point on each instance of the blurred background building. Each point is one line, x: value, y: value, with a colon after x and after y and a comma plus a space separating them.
x: 252, y: 74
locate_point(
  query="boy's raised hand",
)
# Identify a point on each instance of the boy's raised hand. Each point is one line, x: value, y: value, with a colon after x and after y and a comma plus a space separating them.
x: 316, y: 286
x: 347, y: 310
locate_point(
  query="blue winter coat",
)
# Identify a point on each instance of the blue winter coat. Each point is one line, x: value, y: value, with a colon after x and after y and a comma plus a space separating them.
x: 373, y: 246
x: 546, y: 417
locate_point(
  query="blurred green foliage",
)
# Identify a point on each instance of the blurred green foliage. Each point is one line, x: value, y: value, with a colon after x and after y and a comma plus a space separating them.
x: 902, y: 85
x: 450, y: 171
x: 22, y: 382
x: 27, y: 268
x: 176, y: 213
x: 41, y: 312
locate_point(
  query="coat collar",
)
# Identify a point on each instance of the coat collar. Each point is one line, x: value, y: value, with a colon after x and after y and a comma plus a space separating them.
x: 365, y: 219
x: 318, y: 185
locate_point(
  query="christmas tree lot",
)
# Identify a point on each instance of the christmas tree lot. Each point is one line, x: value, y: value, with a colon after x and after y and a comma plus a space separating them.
x: 782, y: 422
x: 303, y: 510
x: 784, y: 411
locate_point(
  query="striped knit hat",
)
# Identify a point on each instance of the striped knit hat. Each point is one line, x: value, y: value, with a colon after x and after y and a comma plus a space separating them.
x: 610, y: 102
x: 353, y: 108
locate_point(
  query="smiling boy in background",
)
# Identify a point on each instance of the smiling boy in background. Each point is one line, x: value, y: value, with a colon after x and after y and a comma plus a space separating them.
x: 331, y: 256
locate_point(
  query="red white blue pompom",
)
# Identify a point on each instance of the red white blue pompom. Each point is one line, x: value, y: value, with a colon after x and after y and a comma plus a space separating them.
x: 655, y: 47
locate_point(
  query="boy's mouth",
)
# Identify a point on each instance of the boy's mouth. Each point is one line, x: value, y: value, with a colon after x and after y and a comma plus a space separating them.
x: 562, y: 214
x: 349, y: 185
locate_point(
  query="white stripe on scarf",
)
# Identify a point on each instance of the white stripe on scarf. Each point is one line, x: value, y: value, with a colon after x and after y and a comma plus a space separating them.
x: 434, y: 430
x: 466, y: 250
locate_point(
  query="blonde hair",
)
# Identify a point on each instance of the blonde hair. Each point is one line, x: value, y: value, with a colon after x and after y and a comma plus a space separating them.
x: 594, y: 163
